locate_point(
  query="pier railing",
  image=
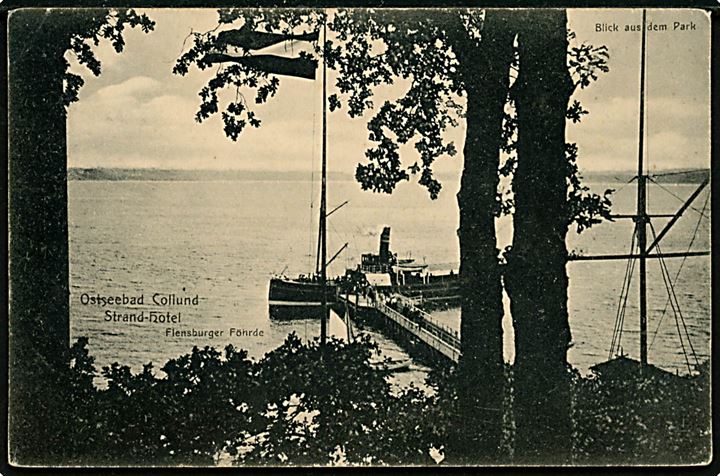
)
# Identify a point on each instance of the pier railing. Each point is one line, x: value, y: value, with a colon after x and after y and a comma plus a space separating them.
x: 428, y: 332
x: 428, y: 323
x: 441, y: 338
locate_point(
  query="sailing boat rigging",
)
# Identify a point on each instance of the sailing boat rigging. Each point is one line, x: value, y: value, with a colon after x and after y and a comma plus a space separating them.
x: 306, y: 296
x: 640, y: 251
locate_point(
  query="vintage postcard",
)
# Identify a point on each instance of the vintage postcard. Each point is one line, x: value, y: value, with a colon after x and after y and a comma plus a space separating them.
x: 314, y: 237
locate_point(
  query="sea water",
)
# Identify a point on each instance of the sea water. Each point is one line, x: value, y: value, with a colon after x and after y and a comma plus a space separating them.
x: 217, y: 243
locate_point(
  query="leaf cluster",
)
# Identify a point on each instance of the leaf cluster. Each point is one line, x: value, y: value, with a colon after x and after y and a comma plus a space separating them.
x: 378, y: 48
x: 87, y: 28
x: 300, y: 404
x: 583, y: 208
x: 586, y: 62
x: 631, y: 419
x: 240, y: 78
x: 368, y: 49
x: 303, y: 404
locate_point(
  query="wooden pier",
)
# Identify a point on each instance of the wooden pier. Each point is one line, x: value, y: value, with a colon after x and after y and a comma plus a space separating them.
x: 438, y: 340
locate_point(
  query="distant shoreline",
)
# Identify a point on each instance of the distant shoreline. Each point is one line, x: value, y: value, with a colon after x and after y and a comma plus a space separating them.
x: 166, y: 175
x: 180, y: 175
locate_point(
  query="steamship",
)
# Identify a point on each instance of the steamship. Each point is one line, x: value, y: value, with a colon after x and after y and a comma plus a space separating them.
x: 301, y: 297
x: 387, y: 273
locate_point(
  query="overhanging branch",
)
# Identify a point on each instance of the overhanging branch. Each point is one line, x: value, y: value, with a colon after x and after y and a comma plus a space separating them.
x: 301, y: 67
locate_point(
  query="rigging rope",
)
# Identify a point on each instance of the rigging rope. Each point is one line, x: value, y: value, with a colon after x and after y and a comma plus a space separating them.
x: 622, y: 317
x: 627, y: 279
x: 675, y: 304
x: 312, y: 190
x: 625, y: 184
x: 622, y: 302
x: 682, y: 263
x: 336, y: 232
x: 679, y: 198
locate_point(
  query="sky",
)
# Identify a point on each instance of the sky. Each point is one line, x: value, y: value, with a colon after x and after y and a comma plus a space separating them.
x: 138, y: 114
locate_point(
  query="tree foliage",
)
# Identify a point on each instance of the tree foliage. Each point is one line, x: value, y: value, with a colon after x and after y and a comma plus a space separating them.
x: 584, y: 208
x: 370, y: 48
x: 658, y: 419
x: 302, y: 404
x: 87, y: 28
x: 417, y: 49
x: 241, y: 78
x: 40, y: 89
x: 433, y: 61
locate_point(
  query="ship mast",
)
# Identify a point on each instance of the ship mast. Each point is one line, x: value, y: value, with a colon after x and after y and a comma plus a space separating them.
x: 642, y: 218
x: 323, y: 197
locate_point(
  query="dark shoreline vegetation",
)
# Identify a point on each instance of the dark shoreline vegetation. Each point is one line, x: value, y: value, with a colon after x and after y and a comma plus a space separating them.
x: 302, y: 404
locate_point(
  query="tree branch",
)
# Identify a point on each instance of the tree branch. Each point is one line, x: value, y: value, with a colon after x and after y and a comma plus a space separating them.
x: 302, y: 67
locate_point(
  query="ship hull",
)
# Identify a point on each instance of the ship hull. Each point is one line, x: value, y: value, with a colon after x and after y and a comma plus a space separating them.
x: 295, y: 299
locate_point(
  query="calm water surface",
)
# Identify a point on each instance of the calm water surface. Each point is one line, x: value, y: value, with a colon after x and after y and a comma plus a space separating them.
x: 222, y: 241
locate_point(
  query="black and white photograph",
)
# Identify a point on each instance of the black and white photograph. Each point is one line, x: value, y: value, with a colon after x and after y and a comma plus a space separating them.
x: 359, y: 237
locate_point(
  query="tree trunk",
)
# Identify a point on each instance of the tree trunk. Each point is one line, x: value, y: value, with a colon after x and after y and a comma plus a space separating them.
x: 481, y: 377
x: 38, y: 245
x: 536, y: 279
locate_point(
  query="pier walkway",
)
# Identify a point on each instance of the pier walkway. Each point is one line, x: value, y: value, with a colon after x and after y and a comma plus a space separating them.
x: 438, y: 338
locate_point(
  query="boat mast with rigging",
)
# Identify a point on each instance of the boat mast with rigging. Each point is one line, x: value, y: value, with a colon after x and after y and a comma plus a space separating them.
x: 323, y: 196
x: 642, y: 220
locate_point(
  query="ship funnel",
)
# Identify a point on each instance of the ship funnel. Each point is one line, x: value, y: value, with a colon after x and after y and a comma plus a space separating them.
x: 385, y: 245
